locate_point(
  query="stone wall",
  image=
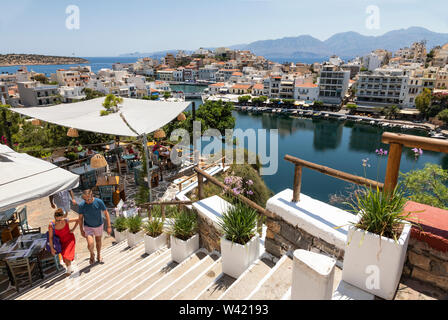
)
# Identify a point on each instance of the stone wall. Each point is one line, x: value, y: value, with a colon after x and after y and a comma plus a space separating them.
x: 282, y: 237
x: 208, y: 235
x: 426, y: 264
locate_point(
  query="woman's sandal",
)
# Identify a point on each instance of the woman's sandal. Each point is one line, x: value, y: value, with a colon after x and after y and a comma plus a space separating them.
x: 92, y: 260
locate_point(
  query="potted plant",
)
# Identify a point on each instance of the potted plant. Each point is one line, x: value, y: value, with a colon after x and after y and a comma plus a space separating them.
x: 135, y: 234
x: 120, y: 229
x: 240, y: 245
x: 377, y: 241
x: 183, y: 237
x: 154, y: 236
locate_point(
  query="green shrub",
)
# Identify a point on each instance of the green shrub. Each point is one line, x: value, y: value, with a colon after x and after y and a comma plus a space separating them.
x: 120, y: 224
x: 428, y: 185
x: 381, y: 212
x: 154, y: 227
x: 239, y: 223
x: 184, y: 225
x: 134, y: 224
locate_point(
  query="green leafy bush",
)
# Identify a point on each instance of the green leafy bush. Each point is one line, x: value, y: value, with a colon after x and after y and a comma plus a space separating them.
x: 381, y: 212
x: 428, y: 185
x: 154, y: 227
x: 134, y: 224
x: 239, y: 223
x: 120, y: 224
x: 184, y: 225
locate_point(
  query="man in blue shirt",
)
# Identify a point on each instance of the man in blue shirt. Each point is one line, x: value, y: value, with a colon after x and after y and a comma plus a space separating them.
x: 91, y: 222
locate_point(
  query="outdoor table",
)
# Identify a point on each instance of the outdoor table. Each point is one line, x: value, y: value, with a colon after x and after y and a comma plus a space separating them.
x: 24, y: 247
x: 128, y: 156
x: 82, y: 169
x: 59, y: 159
x: 108, y: 181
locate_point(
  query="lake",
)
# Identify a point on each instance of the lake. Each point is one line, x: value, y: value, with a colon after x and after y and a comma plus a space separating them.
x: 341, y: 145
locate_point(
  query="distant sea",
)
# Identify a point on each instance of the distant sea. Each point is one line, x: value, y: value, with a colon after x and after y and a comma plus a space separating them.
x: 96, y: 63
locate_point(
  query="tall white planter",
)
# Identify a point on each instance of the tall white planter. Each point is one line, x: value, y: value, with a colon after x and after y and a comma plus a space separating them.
x: 180, y: 249
x: 154, y: 244
x: 373, y: 263
x: 134, y: 238
x: 236, y: 258
x: 120, y: 236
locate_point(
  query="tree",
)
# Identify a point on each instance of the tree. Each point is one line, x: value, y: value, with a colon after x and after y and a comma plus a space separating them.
x: 91, y: 94
x: 167, y: 94
x: 428, y: 185
x: 423, y: 102
x: 243, y: 99
x: 391, y: 112
x: 318, y: 104
x: 351, y: 107
x: 443, y: 116
x: 41, y: 78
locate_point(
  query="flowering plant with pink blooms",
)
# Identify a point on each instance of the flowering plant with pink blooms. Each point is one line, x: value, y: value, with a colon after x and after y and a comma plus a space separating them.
x: 239, y: 185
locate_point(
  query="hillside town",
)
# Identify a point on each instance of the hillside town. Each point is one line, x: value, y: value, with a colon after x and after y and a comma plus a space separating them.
x: 378, y: 80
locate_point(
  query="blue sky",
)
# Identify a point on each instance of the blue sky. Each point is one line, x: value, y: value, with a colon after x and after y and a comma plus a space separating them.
x: 109, y: 28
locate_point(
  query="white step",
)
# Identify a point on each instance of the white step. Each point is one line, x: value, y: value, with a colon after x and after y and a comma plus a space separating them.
x: 163, y: 283
x: 248, y: 281
x: 346, y: 291
x: 56, y: 281
x: 276, y: 283
x: 187, y: 278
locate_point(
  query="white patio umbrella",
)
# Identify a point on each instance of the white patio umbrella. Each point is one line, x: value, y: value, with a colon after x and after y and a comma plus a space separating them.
x: 135, y: 118
x: 24, y: 178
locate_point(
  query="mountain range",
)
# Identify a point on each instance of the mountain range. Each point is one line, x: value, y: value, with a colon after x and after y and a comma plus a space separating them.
x: 345, y: 44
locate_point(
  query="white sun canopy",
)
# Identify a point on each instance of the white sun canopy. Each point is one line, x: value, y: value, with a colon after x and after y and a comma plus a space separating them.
x: 144, y: 116
x: 24, y: 178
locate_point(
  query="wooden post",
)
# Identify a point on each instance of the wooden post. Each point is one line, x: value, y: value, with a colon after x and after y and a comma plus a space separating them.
x: 393, y: 166
x: 297, y: 183
x: 162, y: 209
x: 200, y: 186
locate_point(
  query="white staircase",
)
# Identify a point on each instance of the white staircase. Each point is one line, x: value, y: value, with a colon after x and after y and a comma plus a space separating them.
x: 130, y: 274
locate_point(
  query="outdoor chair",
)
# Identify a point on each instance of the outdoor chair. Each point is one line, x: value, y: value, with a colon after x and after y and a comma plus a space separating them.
x: 23, y: 270
x: 106, y: 193
x: 48, y: 261
x: 23, y: 222
x: 91, y: 179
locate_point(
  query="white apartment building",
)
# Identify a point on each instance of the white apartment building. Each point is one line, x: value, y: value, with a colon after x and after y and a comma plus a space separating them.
x: 383, y: 87
x: 32, y: 94
x: 418, y: 80
x: 71, y: 94
x: 333, y: 84
x: 306, y: 92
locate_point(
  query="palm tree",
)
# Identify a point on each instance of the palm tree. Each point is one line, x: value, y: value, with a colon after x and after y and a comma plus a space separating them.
x: 391, y: 112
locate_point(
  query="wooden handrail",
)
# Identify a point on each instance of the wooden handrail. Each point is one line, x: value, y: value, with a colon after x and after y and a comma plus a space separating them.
x: 299, y: 163
x: 397, y: 141
x: 411, y: 141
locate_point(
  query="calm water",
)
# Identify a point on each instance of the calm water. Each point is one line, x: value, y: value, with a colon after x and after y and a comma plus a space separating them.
x: 337, y: 144
x: 96, y: 63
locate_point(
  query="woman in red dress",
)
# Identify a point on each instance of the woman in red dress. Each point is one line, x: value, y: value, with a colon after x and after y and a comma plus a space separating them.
x: 65, y: 234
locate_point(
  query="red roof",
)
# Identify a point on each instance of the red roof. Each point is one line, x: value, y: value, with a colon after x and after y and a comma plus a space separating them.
x: 241, y: 86
x: 258, y: 86
x: 307, y: 85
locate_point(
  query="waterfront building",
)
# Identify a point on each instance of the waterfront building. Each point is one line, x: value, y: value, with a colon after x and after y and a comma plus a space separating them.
x: 306, y: 92
x: 165, y: 75
x: 217, y: 88
x: 178, y: 74
x: 420, y: 79
x: 382, y: 87
x: 257, y: 89
x: 33, y: 94
x: 240, y: 88
x: 208, y: 73
x: 333, y: 84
